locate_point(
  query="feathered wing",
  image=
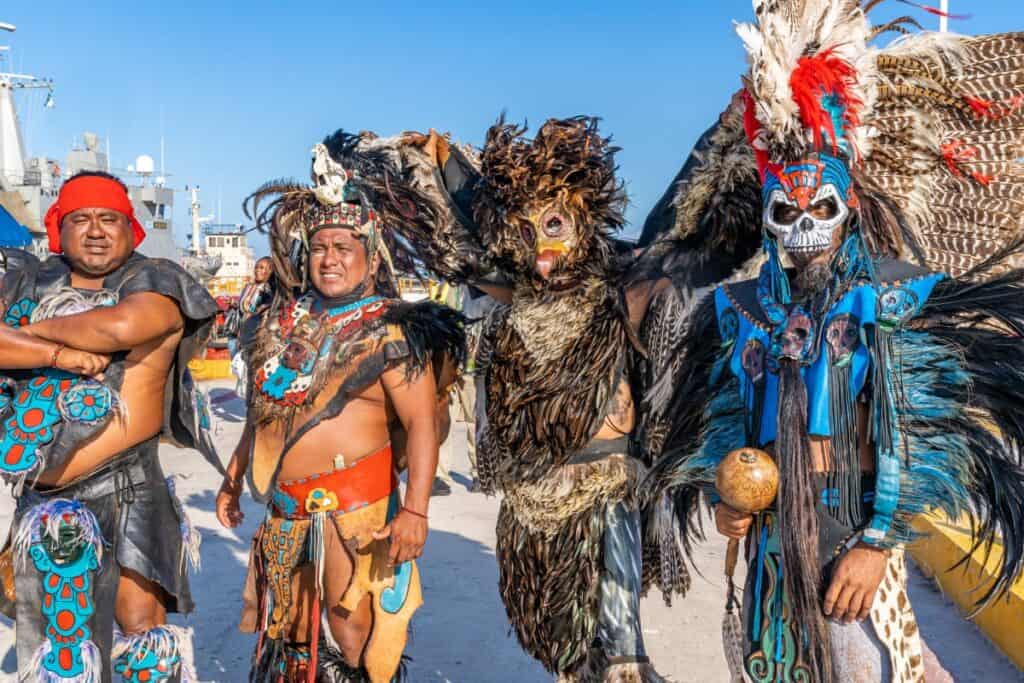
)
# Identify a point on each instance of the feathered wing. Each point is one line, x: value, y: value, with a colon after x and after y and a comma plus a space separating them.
x: 698, y: 420
x: 276, y: 209
x: 947, y: 142
x: 670, y: 522
x: 705, y: 229
x: 446, y: 174
x: 961, y: 404
x: 708, y: 223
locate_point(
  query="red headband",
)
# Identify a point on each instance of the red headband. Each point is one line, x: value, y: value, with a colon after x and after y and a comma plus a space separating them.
x: 89, y: 192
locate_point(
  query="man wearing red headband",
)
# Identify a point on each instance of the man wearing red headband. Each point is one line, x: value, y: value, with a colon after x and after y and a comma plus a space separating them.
x: 94, y: 372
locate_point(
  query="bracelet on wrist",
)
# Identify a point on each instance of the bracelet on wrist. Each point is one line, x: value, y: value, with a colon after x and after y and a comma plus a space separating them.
x: 414, y: 513
x: 56, y: 355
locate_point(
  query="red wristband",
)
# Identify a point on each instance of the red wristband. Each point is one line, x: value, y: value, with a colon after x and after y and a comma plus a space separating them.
x: 56, y: 354
x: 414, y: 513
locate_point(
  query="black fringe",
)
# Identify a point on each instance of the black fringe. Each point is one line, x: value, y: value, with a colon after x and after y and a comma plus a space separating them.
x: 332, y: 667
x: 844, y: 472
x: 798, y: 520
x: 984, y: 322
x: 267, y: 668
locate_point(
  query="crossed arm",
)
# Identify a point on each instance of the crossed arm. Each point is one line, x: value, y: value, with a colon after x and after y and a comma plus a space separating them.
x: 22, y: 351
x: 82, y: 343
x: 135, y: 320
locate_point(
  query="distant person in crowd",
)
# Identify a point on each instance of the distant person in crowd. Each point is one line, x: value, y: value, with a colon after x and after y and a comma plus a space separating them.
x: 470, y: 390
x: 255, y: 296
x: 344, y: 391
x: 443, y: 293
x: 94, y: 371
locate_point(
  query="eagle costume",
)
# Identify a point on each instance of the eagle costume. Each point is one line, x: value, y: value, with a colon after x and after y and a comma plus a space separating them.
x: 574, y: 417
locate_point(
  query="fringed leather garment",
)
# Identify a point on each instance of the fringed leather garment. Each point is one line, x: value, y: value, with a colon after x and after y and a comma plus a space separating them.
x: 125, y: 514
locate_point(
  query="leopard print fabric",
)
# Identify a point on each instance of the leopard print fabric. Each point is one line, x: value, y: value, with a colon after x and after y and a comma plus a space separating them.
x: 895, y: 624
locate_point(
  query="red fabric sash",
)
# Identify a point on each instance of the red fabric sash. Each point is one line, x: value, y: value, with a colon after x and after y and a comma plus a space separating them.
x: 366, y: 481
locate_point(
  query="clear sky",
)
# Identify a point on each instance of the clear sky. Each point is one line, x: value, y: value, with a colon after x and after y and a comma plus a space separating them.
x: 241, y: 91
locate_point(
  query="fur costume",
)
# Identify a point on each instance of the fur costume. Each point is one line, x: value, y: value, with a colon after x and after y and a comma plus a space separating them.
x: 310, y: 356
x: 869, y: 155
x: 575, y: 547
x: 70, y: 542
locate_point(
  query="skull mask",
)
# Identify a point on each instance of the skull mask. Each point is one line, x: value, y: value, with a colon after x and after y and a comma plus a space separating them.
x: 805, y: 201
x: 842, y: 336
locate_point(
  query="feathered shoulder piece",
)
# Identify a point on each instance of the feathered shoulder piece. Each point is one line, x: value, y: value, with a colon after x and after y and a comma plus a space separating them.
x: 358, y: 183
x: 430, y: 332
x: 931, y: 126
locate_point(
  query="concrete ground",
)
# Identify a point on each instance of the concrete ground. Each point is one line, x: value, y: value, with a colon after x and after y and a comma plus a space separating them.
x: 461, y: 634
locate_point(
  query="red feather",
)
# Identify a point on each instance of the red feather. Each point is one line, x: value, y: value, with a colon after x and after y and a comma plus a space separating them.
x: 822, y: 75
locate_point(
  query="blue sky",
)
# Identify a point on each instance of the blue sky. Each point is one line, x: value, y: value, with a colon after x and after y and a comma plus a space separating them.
x: 241, y: 91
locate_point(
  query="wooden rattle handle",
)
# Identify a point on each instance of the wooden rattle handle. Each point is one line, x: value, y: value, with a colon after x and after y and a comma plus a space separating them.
x: 732, y: 553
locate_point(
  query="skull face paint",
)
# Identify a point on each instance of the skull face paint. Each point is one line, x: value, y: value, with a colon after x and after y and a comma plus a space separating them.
x: 805, y: 202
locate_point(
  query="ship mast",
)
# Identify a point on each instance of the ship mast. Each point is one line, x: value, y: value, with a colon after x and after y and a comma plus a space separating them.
x: 12, y: 150
x: 197, y: 221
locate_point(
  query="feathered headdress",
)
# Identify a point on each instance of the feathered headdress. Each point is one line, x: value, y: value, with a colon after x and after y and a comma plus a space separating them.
x: 567, y: 163
x: 356, y: 183
x: 932, y: 126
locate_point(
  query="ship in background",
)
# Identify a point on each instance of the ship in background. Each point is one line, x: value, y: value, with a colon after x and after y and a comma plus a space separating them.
x: 29, y: 185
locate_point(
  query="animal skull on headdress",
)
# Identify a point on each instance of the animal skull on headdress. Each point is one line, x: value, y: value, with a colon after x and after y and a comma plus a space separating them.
x: 329, y: 177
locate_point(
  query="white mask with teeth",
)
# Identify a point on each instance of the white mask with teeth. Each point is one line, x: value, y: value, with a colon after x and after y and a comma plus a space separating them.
x: 805, y: 202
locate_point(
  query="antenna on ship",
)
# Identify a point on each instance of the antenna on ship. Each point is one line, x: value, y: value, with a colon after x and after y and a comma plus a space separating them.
x: 197, y: 220
x: 12, y: 150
